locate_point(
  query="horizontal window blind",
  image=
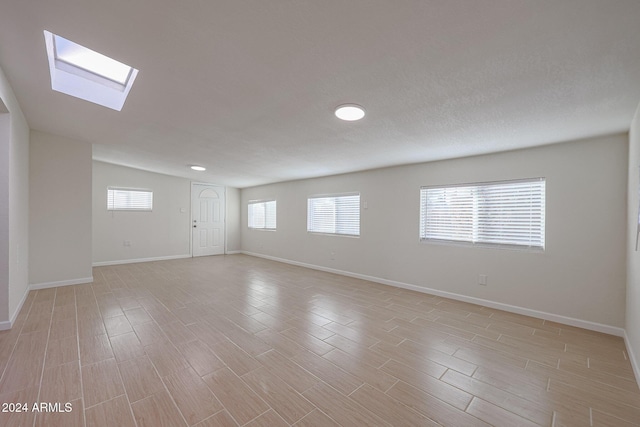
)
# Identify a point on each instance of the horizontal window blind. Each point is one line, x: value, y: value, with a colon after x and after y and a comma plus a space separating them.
x: 339, y: 214
x: 508, y: 213
x: 262, y: 214
x: 127, y: 199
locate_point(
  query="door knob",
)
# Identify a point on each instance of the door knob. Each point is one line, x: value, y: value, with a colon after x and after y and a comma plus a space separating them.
x: 195, y: 226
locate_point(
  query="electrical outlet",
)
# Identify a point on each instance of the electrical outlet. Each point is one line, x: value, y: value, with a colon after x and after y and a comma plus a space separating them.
x: 482, y: 279
x: 126, y: 243
x: 332, y: 256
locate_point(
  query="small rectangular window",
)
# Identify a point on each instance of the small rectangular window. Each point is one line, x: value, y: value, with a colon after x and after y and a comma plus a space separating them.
x: 336, y: 214
x: 262, y: 214
x: 506, y: 213
x: 129, y: 199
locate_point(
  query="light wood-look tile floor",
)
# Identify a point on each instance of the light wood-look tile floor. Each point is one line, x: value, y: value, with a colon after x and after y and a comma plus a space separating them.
x: 236, y: 340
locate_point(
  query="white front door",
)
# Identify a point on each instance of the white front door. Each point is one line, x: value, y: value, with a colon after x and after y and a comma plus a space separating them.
x: 207, y: 219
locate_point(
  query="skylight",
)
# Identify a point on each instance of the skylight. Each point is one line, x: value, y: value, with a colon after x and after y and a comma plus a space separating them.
x: 87, y: 59
x: 87, y: 74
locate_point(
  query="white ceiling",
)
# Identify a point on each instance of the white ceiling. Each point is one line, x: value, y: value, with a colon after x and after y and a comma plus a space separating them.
x: 247, y: 88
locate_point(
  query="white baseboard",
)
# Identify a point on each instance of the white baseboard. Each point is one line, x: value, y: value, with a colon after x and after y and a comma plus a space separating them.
x: 6, y: 325
x: 46, y: 285
x: 137, y: 260
x: 579, y: 323
x: 233, y: 252
x: 13, y: 317
x: 632, y: 357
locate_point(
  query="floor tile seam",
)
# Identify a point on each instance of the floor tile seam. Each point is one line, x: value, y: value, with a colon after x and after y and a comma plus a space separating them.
x: 240, y: 327
x: 293, y: 359
x: 164, y: 385
x: 568, y: 329
x: 526, y: 378
x: 9, y: 360
x: 426, y: 391
x: 434, y: 362
x: 591, y: 409
x: 505, y: 409
x: 115, y: 360
x: 431, y: 395
x: 602, y: 354
x: 275, y: 372
x: 44, y: 358
x: 587, y: 378
x: 316, y: 409
x: 625, y: 364
x: 15, y: 344
x: 255, y: 418
x: 222, y: 404
x: 287, y: 384
x: 444, y: 353
x: 350, y: 356
x: 84, y: 414
x: 397, y: 380
x: 216, y: 413
x: 351, y: 402
x: 508, y: 353
x: 613, y: 400
x: 530, y: 401
x: 437, y: 398
x: 536, y: 405
x: 107, y: 401
x: 357, y: 388
x: 334, y: 333
x: 126, y: 393
x: 581, y: 345
x: 583, y: 377
x: 537, y: 344
x: 396, y: 401
x: 391, y: 358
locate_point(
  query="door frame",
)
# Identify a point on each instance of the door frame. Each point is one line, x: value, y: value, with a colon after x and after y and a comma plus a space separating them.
x: 224, y: 195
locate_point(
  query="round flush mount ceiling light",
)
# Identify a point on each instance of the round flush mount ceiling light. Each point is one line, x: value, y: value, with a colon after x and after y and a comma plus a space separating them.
x: 198, y: 168
x: 349, y: 112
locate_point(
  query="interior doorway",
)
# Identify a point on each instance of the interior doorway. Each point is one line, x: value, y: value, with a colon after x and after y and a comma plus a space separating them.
x: 207, y: 220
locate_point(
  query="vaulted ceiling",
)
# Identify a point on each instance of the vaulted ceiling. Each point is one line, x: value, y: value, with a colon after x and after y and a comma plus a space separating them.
x: 248, y: 88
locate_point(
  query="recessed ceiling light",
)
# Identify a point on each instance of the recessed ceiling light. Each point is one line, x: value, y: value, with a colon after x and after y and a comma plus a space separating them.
x: 198, y: 168
x: 349, y: 112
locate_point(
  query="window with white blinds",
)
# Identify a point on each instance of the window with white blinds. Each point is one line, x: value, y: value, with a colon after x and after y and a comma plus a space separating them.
x: 334, y: 214
x: 262, y: 214
x: 507, y: 213
x: 129, y: 199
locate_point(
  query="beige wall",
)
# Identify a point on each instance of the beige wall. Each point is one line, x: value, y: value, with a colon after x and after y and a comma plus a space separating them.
x: 18, y: 212
x: 5, y: 142
x: 14, y: 204
x: 60, y: 211
x: 581, y: 274
x: 633, y: 256
x: 162, y: 233
x: 233, y: 219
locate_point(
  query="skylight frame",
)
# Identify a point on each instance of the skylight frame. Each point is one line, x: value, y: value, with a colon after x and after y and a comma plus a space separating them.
x: 86, y: 51
x: 87, y: 84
